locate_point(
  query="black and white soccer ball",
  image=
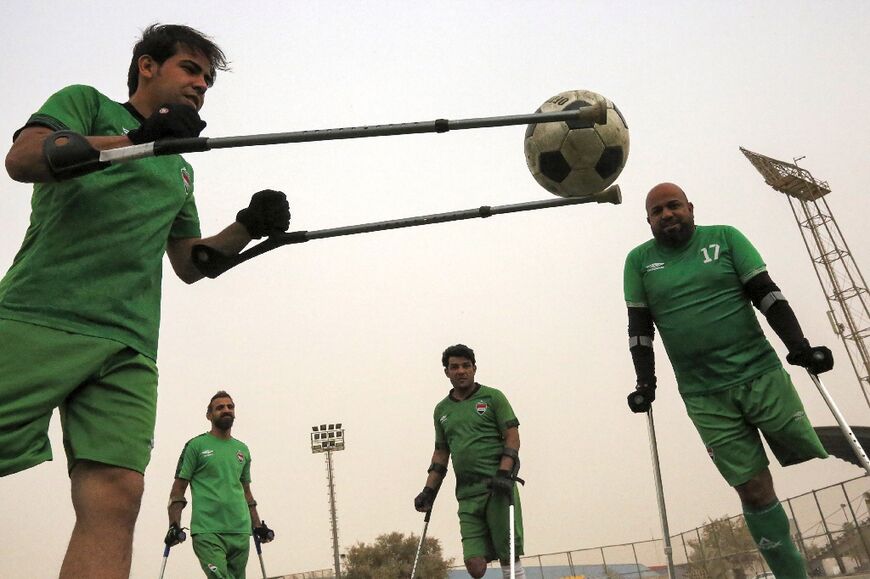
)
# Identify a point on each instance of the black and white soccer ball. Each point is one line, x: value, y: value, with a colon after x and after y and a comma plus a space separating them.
x: 577, y: 158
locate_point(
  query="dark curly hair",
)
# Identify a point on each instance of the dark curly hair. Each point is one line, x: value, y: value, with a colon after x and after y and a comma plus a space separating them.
x: 460, y: 351
x: 161, y: 41
x: 218, y: 394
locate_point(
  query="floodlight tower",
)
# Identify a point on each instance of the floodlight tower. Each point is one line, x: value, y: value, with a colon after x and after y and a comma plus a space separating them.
x: 842, y: 283
x: 329, y: 438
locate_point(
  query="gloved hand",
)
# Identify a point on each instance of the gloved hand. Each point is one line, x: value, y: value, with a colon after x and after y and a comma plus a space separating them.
x: 174, y: 535
x: 817, y: 360
x: 264, y: 533
x: 424, y: 501
x: 641, y: 398
x: 268, y: 213
x: 178, y: 121
x: 502, y: 483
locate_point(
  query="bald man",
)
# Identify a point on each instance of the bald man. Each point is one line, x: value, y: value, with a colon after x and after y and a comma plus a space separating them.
x: 697, y: 284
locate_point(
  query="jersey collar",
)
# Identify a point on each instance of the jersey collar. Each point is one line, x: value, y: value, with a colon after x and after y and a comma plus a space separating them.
x: 473, y: 392
x: 132, y: 110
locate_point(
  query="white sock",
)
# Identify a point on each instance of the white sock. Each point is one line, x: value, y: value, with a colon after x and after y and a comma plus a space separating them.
x: 519, y: 572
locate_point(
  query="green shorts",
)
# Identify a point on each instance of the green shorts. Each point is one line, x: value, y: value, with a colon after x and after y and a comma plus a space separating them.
x: 222, y: 556
x: 729, y: 422
x: 485, y: 527
x: 106, y: 393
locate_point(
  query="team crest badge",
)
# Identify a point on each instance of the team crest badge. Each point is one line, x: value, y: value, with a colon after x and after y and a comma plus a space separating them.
x: 481, y: 407
x: 240, y: 456
x: 186, y: 180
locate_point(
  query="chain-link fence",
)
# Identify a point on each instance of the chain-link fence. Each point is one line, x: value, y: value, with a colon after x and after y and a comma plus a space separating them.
x: 319, y: 574
x: 830, y: 526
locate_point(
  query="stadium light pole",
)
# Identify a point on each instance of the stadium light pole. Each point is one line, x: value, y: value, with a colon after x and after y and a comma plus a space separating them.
x: 329, y: 438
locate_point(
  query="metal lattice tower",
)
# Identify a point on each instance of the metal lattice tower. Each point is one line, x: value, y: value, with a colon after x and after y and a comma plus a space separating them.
x: 328, y: 439
x: 842, y: 283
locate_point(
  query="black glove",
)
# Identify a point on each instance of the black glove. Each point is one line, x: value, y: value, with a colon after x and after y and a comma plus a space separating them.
x: 268, y: 213
x: 424, y: 501
x: 641, y: 398
x: 174, y: 535
x: 179, y: 121
x: 264, y: 533
x: 502, y: 483
x: 817, y: 360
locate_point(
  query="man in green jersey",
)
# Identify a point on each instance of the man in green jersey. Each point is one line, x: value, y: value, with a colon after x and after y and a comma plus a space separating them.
x: 476, y: 425
x: 697, y: 285
x: 80, y: 304
x: 218, y: 469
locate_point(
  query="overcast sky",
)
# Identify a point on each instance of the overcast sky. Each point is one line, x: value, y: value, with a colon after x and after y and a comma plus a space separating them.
x: 351, y: 329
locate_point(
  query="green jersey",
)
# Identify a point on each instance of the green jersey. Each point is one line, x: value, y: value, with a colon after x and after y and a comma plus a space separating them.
x: 216, y: 469
x: 92, y: 258
x: 472, y: 431
x: 696, y: 298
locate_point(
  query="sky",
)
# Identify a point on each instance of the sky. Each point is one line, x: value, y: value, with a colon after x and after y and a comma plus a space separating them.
x: 351, y: 329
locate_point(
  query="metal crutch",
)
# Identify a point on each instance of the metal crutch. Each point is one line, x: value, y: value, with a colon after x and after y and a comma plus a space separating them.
x: 260, y: 554
x: 165, y: 557
x: 657, y: 473
x: 844, y: 426
x: 420, y: 545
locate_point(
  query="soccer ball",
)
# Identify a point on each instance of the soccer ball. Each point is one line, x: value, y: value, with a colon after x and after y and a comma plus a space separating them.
x: 577, y: 158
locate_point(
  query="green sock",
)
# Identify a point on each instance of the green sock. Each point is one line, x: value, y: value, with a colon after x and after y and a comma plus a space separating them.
x: 769, y: 528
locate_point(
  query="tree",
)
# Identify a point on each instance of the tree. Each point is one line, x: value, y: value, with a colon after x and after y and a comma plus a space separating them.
x: 726, y: 549
x: 392, y: 555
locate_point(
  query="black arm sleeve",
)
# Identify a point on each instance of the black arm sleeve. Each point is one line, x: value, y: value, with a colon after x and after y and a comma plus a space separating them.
x: 640, y: 325
x: 779, y: 314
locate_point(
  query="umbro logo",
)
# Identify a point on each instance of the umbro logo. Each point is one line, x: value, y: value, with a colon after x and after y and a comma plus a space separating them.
x: 443, y: 419
x: 766, y: 543
x: 654, y: 266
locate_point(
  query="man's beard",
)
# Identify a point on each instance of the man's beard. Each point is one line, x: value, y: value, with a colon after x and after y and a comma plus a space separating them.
x: 225, y: 422
x: 676, y: 237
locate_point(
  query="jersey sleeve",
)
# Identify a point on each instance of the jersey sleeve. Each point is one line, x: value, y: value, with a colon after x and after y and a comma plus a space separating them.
x: 747, y: 261
x: 246, y: 469
x: 186, y: 223
x: 72, y: 108
x: 632, y: 282
x: 440, y: 436
x: 186, y: 462
x: 504, y: 412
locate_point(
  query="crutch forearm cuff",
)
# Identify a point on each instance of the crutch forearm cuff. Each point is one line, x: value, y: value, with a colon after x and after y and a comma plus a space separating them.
x: 178, y: 499
x: 69, y: 154
x: 439, y: 468
x: 514, y: 455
